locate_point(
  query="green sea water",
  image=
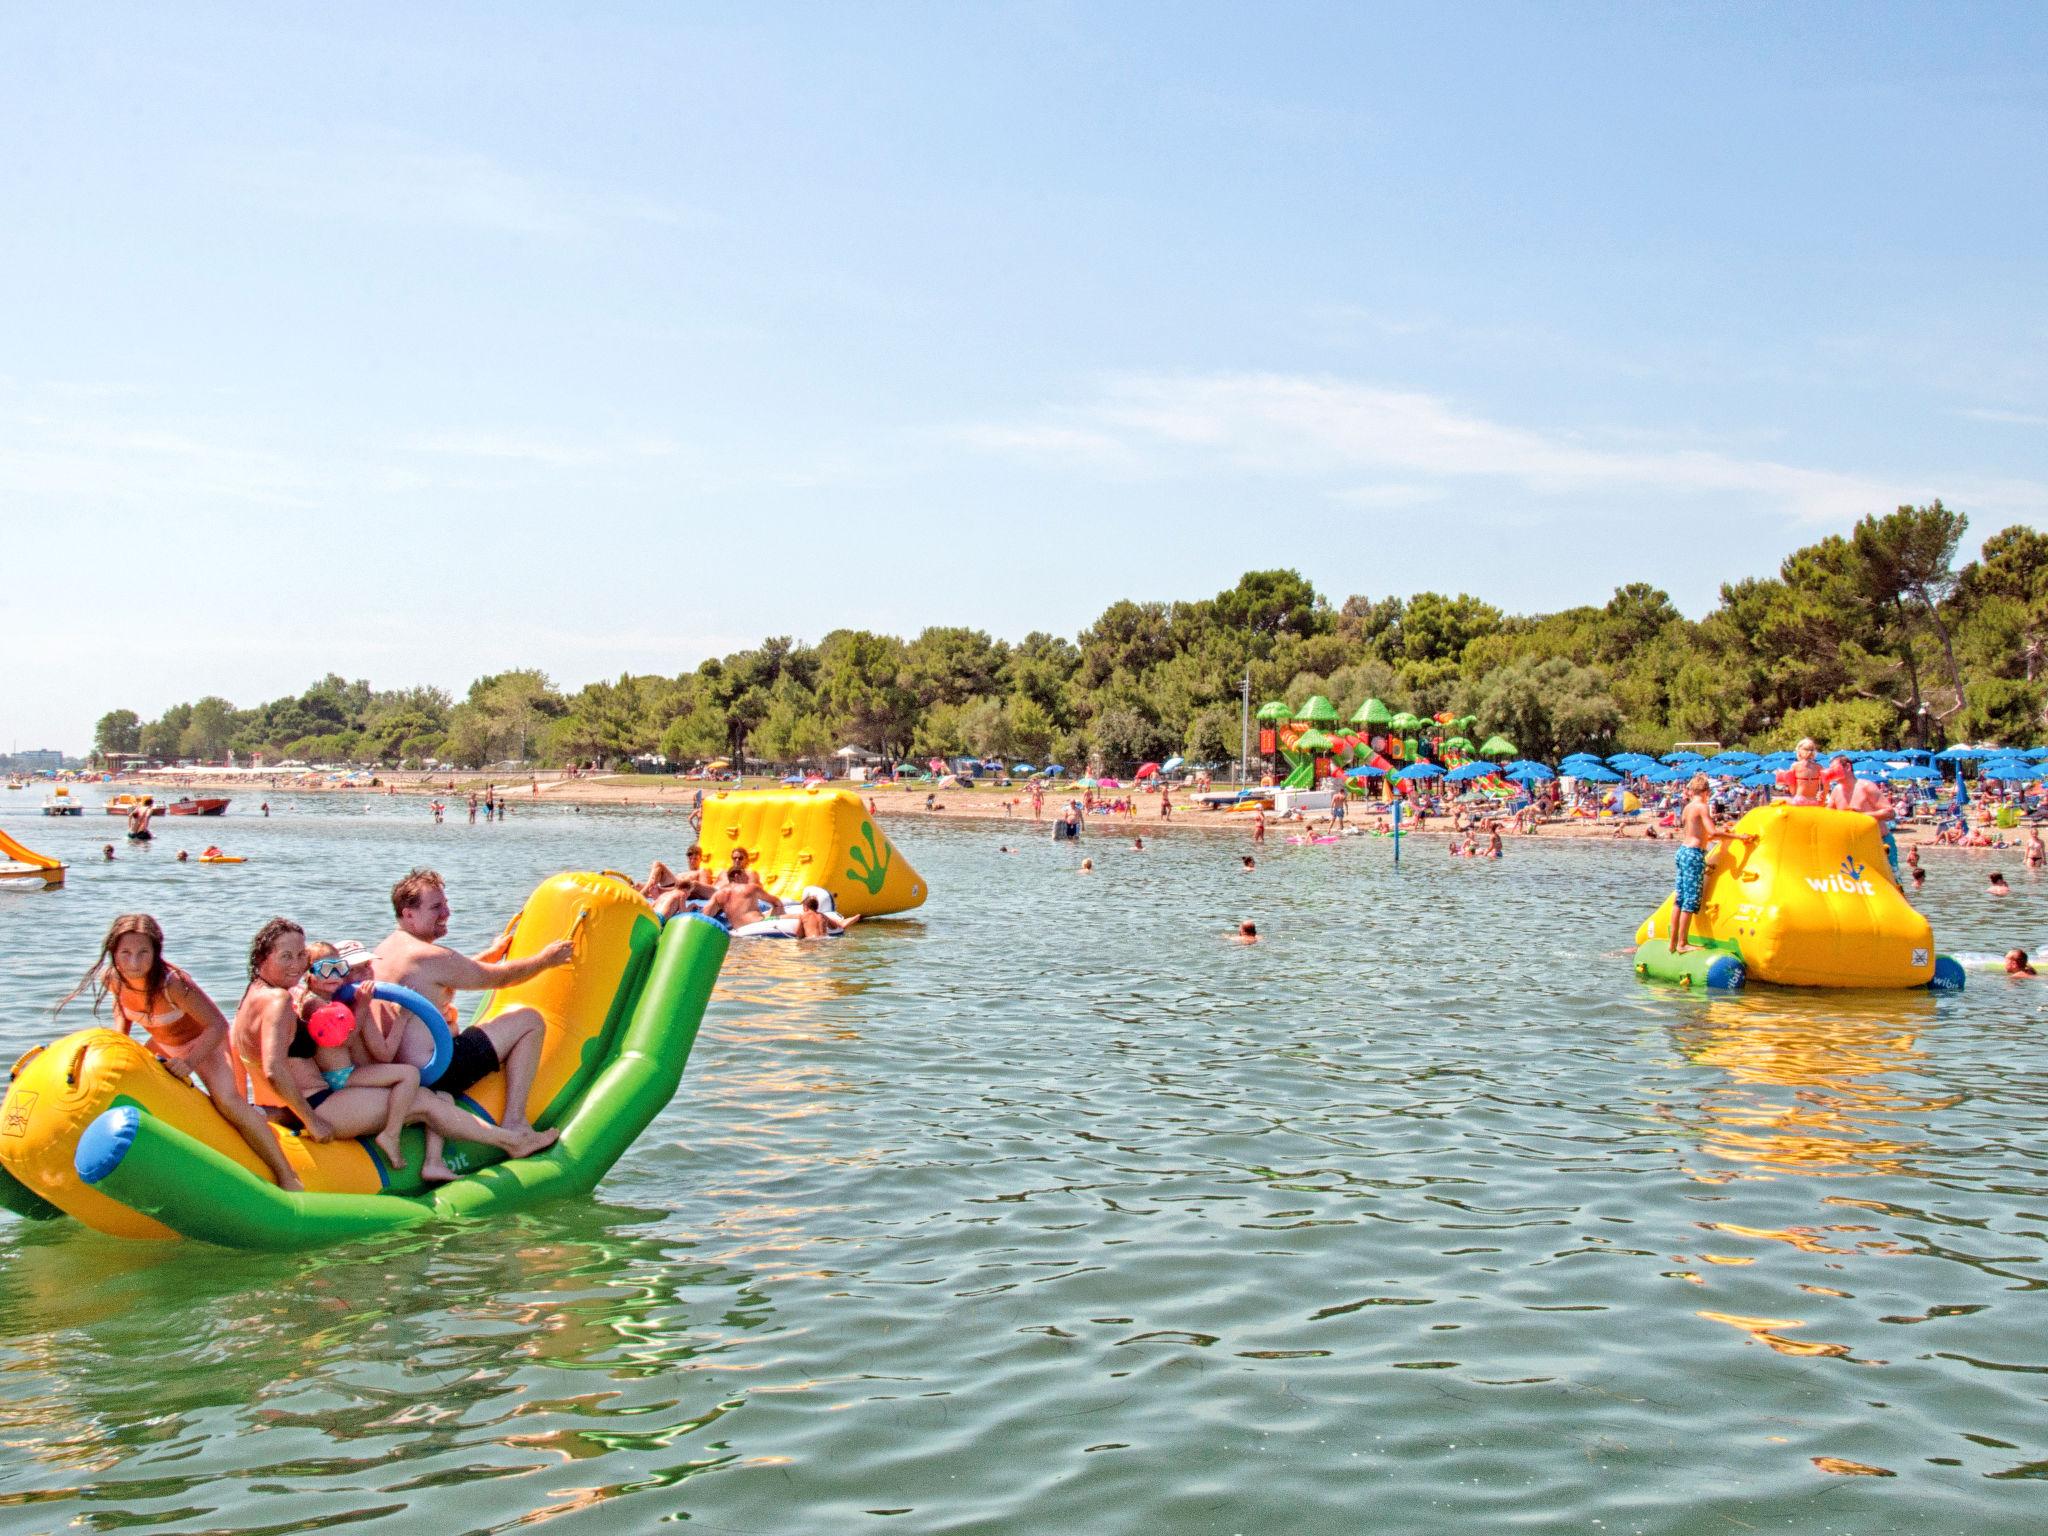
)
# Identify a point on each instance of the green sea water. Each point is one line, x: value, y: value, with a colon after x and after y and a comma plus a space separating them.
x: 1048, y: 1209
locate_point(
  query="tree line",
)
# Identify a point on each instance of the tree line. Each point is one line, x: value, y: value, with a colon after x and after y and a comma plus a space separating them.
x: 1868, y: 639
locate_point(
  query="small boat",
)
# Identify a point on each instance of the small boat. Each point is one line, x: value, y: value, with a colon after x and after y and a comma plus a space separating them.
x: 121, y: 805
x: 61, y: 803
x: 17, y: 783
x: 191, y: 807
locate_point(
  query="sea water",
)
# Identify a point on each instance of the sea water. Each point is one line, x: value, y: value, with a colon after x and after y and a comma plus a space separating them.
x: 1048, y: 1208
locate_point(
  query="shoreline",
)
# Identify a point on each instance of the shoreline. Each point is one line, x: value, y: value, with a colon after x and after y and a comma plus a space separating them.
x: 894, y: 802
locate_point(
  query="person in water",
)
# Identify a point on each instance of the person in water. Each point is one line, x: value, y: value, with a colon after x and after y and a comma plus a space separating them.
x: 138, y: 821
x: 2036, y: 854
x: 2016, y: 964
x: 739, y: 896
x: 1247, y: 932
x: 1998, y: 887
x: 1696, y: 836
x: 413, y: 956
x: 361, y: 1051
x: 182, y: 1026
x: 107, y: 853
x: 1919, y: 877
x: 277, y: 1053
x: 813, y: 922
x: 1249, y: 862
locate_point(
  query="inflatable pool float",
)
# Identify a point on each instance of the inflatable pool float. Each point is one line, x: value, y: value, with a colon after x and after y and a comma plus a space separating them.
x: 94, y: 1126
x: 1809, y: 903
x: 221, y: 858
x: 806, y: 837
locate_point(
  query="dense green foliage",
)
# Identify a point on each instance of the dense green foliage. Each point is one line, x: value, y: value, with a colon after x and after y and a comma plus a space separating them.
x: 1870, y: 639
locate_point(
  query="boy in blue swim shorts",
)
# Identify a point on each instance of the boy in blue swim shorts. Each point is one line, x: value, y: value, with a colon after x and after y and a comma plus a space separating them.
x: 1696, y: 834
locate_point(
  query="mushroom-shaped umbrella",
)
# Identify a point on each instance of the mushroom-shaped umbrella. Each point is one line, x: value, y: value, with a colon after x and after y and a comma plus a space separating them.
x: 1405, y: 722
x: 1457, y: 744
x: 1312, y: 741
x: 1275, y: 710
x: 1497, y: 746
x: 1317, y: 711
x: 1372, y: 712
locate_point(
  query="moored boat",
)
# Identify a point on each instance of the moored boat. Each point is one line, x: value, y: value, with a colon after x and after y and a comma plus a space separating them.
x: 199, y: 807
x: 62, y: 803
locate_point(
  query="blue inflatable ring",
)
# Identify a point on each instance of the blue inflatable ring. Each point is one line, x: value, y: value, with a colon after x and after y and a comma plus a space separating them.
x: 421, y: 1009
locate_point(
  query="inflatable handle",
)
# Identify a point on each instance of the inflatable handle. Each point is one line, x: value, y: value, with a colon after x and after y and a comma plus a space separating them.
x: 419, y: 1008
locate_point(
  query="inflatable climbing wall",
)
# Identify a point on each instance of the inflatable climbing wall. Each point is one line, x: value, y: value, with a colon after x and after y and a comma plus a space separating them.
x: 816, y: 836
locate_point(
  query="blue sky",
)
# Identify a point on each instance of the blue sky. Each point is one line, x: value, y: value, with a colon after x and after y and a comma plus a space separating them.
x: 415, y: 343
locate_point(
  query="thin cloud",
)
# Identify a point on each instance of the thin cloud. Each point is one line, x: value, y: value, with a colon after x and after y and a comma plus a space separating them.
x: 388, y: 178
x: 1335, y: 430
x: 2005, y: 418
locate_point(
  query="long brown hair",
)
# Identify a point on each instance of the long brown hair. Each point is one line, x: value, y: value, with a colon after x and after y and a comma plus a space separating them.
x: 97, y: 978
x: 266, y: 940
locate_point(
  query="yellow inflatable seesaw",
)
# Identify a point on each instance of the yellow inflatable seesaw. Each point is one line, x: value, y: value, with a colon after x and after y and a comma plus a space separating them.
x: 1809, y: 903
x: 804, y: 837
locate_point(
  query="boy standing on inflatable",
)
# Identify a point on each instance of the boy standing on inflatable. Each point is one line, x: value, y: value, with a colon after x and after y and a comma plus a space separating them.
x: 414, y: 957
x: 1850, y: 793
x: 1696, y: 835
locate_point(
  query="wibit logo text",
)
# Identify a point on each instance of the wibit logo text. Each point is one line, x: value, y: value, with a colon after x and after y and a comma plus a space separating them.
x: 1846, y: 881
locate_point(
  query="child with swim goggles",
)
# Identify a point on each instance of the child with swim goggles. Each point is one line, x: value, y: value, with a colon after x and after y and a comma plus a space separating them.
x: 347, y: 1040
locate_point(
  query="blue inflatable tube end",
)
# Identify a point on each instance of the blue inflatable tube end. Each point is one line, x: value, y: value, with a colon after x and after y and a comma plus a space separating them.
x: 419, y: 1008
x: 1948, y: 975
x: 105, y: 1142
x: 1727, y: 974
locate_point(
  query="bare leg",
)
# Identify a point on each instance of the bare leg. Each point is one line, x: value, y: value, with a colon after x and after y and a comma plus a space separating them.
x: 404, y: 1083
x: 246, y: 1118
x: 1681, y: 926
x: 439, y: 1115
x: 516, y: 1034
x: 434, y: 1167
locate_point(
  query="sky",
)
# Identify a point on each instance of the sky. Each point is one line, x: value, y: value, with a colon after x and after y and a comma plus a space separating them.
x: 417, y: 343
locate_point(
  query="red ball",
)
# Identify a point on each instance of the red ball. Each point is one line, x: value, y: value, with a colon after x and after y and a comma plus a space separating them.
x: 331, y: 1024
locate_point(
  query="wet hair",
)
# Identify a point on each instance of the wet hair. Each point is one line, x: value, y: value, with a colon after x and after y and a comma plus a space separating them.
x: 269, y: 936
x: 2019, y: 958
x: 96, y: 979
x: 810, y: 903
x: 1248, y: 861
x: 1997, y: 878
x: 412, y: 890
x: 1248, y: 928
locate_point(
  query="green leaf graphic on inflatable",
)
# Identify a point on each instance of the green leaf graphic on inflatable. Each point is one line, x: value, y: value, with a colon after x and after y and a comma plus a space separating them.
x: 870, y: 865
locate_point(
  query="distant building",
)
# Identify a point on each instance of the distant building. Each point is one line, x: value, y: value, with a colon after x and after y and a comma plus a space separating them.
x: 44, y: 760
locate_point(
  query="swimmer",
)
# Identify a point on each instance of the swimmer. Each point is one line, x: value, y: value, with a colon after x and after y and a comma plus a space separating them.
x: 1248, y: 863
x: 1137, y: 845
x: 107, y: 853
x: 1493, y: 845
x: 814, y: 923
x: 1998, y: 887
x: 2016, y: 964
x: 1919, y: 877
x: 182, y: 855
x: 1247, y: 932
x: 1087, y: 866
x: 2036, y: 854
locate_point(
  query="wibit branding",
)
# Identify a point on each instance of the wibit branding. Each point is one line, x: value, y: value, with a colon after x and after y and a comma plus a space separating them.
x: 1846, y: 881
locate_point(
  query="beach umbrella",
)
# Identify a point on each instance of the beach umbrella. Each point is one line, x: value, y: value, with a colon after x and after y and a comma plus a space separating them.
x: 2012, y: 773
x: 1597, y: 774
x: 1276, y: 710
x: 1171, y: 763
x: 1312, y: 741
x: 1372, y: 712
x: 1317, y: 711
x: 1915, y: 754
x: 1147, y: 771
x: 1023, y: 768
x: 2037, y: 753
x: 1109, y: 783
x: 1530, y: 771
x: 1497, y: 746
x: 1762, y: 780
x: 1956, y: 754
x: 1364, y: 771
x: 1918, y: 772
x: 1084, y: 782
x: 1470, y: 771
x: 1420, y: 771
x: 1685, y: 757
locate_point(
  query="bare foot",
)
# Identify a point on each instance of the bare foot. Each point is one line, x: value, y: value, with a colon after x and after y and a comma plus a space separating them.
x: 531, y: 1142
x: 436, y: 1171
x: 1681, y: 949
x: 387, y: 1143
x: 290, y: 1183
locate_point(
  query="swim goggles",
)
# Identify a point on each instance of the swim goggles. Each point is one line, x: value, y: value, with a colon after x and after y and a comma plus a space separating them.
x: 331, y: 967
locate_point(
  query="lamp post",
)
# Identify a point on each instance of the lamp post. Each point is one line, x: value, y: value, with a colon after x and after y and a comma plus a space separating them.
x: 1244, y: 741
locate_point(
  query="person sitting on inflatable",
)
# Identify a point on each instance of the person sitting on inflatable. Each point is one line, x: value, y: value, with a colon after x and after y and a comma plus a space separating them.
x: 1804, y: 782
x: 277, y: 1054
x: 413, y: 956
x: 186, y: 1028
x: 342, y: 1047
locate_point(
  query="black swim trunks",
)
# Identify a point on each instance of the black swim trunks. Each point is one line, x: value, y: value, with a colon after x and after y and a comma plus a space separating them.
x: 473, y: 1059
x: 286, y: 1116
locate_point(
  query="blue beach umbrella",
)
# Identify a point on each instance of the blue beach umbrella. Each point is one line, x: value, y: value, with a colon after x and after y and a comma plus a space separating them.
x: 1054, y: 770
x: 1171, y: 763
x: 2012, y: 772
x: 1023, y: 768
x: 1956, y: 754
x: 1675, y: 758
x: 1469, y: 772
x: 1420, y: 771
x: 1528, y: 770
x: 1762, y: 780
x: 1598, y: 775
x: 1364, y: 771
x: 1917, y: 772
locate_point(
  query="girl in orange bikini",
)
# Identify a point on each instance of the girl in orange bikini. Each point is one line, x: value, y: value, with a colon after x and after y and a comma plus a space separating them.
x: 185, y: 1027
x: 1804, y: 778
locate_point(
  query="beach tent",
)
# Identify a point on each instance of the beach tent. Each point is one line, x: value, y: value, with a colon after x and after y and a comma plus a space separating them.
x: 1497, y: 746
x: 1317, y: 711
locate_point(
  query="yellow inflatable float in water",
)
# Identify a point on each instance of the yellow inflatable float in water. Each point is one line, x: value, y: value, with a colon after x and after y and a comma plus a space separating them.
x: 1809, y: 903
x: 799, y: 838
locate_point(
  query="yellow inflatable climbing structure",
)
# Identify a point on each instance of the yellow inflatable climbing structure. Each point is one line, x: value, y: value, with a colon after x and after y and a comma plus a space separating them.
x: 1809, y: 902
x: 804, y: 837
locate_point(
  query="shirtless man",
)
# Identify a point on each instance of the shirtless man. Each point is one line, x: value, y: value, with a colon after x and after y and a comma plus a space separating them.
x: 740, y: 894
x: 413, y: 956
x: 1697, y: 833
x: 815, y: 923
x: 1866, y: 795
